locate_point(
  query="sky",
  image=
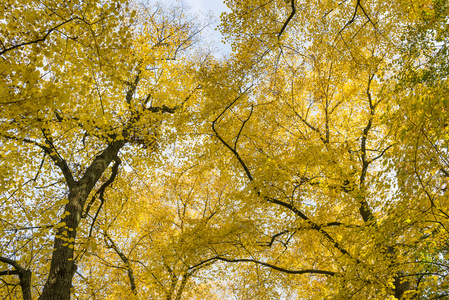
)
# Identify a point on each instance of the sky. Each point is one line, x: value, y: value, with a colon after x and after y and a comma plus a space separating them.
x: 204, y: 7
x: 215, y: 6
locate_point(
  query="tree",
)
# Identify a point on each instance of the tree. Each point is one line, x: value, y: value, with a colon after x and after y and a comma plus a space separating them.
x: 332, y: 162
x: 421, y: 126
x: 84, y: 85
x: 310, y: 164
x: 153, y: 237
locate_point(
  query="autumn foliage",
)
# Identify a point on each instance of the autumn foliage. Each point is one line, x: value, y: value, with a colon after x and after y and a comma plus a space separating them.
x: 309, y: 163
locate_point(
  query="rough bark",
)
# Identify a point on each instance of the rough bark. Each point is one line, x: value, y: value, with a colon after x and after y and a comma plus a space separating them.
x: 25, y: 284
x: 62, y: 268
x: 24, y: 276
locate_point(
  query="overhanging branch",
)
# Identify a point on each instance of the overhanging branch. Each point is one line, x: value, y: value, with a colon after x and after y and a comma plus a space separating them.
x: 290, y: 17
x: 271, y: 266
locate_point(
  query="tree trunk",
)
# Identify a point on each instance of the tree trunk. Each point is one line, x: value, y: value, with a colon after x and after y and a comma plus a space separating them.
x: 62, y: 269
x: 59, y: 282
x: 25, y: 284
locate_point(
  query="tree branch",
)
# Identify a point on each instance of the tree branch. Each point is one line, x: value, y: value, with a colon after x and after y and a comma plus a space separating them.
x: 364, y: 208
x: 293, y: 12
x: 162, y: 109
x: 125, y: 261
x: 284, y: 270
x: 243, y: 125
x: 101, y: 191
x: 24, y: 276
x: 233, y: 150
x: 39, y: 39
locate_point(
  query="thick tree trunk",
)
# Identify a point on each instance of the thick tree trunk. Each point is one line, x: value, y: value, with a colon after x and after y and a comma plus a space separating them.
x: 62, y: 268
x: 25, y: 284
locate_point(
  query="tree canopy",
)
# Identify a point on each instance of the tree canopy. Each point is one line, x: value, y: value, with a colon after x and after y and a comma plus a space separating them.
x: 310, y: 163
